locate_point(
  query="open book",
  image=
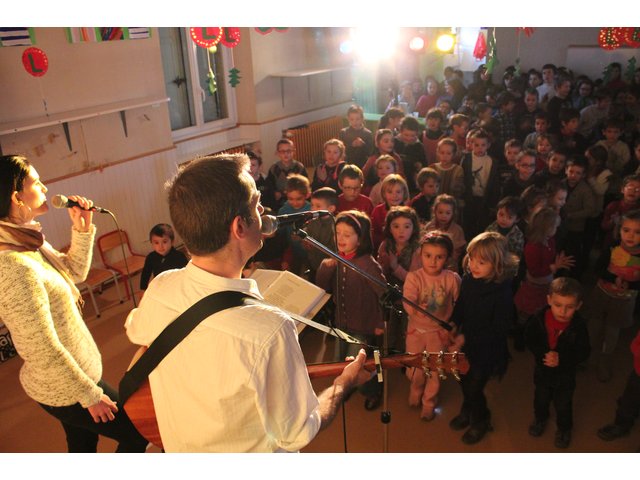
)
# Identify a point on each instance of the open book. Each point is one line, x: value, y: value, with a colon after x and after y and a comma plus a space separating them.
x: 290, y: 292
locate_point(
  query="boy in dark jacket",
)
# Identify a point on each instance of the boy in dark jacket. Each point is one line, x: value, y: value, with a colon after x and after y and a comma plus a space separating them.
x: 558, y: 338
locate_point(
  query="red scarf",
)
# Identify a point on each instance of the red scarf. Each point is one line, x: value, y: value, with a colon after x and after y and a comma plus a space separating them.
x: 348, y: 256
x: 554, y: 328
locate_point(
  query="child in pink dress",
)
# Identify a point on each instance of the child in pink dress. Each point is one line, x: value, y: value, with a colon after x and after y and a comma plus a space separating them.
x: 435, y: 289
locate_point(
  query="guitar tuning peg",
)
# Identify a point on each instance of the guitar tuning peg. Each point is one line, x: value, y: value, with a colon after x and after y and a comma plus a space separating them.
x: 425, y: 364
x: 440, y: 359
x: 456, y: 374
x: 441, y: 374
x: 454, y: 358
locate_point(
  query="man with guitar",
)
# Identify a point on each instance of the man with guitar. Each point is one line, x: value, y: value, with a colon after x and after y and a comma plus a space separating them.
x: 238, y: 381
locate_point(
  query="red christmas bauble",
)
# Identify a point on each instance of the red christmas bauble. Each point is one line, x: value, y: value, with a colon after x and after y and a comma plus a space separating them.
x: 35, y: 61
x: 631, y: 36
x: 609, y: 38
x: 206, y: 36
x: 230, y: 37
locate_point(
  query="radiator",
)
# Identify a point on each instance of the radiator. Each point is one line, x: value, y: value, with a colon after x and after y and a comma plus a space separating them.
x: 309, y: 139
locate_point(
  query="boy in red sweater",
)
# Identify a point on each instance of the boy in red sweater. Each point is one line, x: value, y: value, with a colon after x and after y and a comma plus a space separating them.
x: 351, y: 180
x: 558, y: 338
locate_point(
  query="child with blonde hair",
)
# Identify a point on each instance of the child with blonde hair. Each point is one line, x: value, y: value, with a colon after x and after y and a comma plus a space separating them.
x: 483, y: 315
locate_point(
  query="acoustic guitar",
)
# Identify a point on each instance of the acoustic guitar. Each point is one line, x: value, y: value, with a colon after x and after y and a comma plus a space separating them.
x: 141, y: 411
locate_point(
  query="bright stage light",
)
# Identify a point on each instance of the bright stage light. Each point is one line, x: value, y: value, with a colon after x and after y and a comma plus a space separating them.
x: 346, y: 47
x: 416, y: 44
x: 372, y: 44
x: 445, y: 42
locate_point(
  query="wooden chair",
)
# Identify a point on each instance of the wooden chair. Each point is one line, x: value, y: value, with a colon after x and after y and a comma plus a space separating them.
x: 96, y: 278
x: 110, y: 247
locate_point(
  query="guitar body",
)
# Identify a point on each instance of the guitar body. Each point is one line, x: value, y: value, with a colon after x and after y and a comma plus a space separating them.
x: 141, y: 411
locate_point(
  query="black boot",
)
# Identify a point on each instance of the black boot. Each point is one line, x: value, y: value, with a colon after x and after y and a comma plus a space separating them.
x: 460, y: 421
x: 477, y: 432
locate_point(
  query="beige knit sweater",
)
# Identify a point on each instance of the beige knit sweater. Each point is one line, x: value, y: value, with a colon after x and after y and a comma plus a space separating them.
x: 62, y: 363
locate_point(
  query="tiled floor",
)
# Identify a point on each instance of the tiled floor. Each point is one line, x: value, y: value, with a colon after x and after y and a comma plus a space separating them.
x: 25, y: 427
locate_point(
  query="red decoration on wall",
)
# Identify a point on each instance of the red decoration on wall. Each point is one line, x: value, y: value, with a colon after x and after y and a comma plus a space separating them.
x: 230, y: 37
x: 528, y: 31
x: 631, y: 36
x: 480, y: 50
x: 206, y: 36
x: 35, y: 61
x: 610, y: 38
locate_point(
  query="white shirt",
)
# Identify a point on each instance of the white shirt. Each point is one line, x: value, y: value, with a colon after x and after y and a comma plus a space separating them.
x: 480, y: 169
x: 237, y: 383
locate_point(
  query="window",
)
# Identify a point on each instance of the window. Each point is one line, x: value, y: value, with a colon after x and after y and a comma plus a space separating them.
x: 193, y: 109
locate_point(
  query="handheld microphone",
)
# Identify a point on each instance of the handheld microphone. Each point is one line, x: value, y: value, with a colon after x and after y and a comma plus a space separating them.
x: 60, y: 201
x: 270, y: 223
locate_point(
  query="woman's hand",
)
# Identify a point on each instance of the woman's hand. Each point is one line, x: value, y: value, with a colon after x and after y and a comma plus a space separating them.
x: 80, y: 218
x: 104, y: 410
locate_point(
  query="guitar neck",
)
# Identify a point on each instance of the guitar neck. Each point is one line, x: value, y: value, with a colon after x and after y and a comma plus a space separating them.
x: 335, y: 369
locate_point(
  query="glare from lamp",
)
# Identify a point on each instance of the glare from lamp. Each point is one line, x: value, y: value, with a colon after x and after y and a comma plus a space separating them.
x: 416, y: 44
x: 445, y: 42
x: 346, y: 47
x: 371, y: 46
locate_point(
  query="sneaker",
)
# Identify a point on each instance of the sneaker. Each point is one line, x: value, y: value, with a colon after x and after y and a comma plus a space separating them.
x: 428, y: 416
x: 537, y: 428
x: 612, y: 432
x: 476, y: 433
x: 459, y: 422
x: 563, y: 438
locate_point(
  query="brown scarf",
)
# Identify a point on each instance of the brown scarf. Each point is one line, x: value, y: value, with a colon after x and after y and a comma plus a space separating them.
x: 28, y: 237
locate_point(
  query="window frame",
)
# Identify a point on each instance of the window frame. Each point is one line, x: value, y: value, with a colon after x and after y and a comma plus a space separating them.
x: 201, y: 127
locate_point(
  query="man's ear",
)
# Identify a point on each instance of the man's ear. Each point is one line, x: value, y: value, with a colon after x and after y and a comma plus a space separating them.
x: 15, y: 199
x: 238, y: 228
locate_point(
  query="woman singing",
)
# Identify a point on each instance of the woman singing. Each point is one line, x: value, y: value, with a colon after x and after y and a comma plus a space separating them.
x: 62, y: 367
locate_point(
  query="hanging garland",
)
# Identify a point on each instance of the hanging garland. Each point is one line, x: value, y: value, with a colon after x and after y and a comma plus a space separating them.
x: 609, y: 38
x: 631, y: 36
x: 206, y: 36
x: 234, y: 77
x: 492, y: 59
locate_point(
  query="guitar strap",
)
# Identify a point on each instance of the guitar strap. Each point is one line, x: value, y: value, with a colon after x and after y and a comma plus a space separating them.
x: 174, y: 333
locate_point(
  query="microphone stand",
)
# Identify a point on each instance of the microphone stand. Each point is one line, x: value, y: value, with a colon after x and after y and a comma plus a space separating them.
x: 392, y: 294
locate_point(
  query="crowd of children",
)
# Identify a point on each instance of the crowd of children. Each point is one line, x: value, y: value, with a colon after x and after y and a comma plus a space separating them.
x: 486, y: 212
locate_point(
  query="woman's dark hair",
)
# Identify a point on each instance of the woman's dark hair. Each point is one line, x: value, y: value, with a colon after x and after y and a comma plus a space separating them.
x: 14, y: 169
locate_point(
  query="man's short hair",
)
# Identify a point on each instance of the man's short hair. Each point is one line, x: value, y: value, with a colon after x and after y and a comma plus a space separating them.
x: 206, y: 196
x: 327, y: 194
x: 351, y: 171
x: 297, y: 183
x: 566, y: 287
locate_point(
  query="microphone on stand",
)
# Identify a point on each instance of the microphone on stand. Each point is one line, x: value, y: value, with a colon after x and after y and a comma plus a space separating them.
x: 60, y: 201
x: 270, y: 224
